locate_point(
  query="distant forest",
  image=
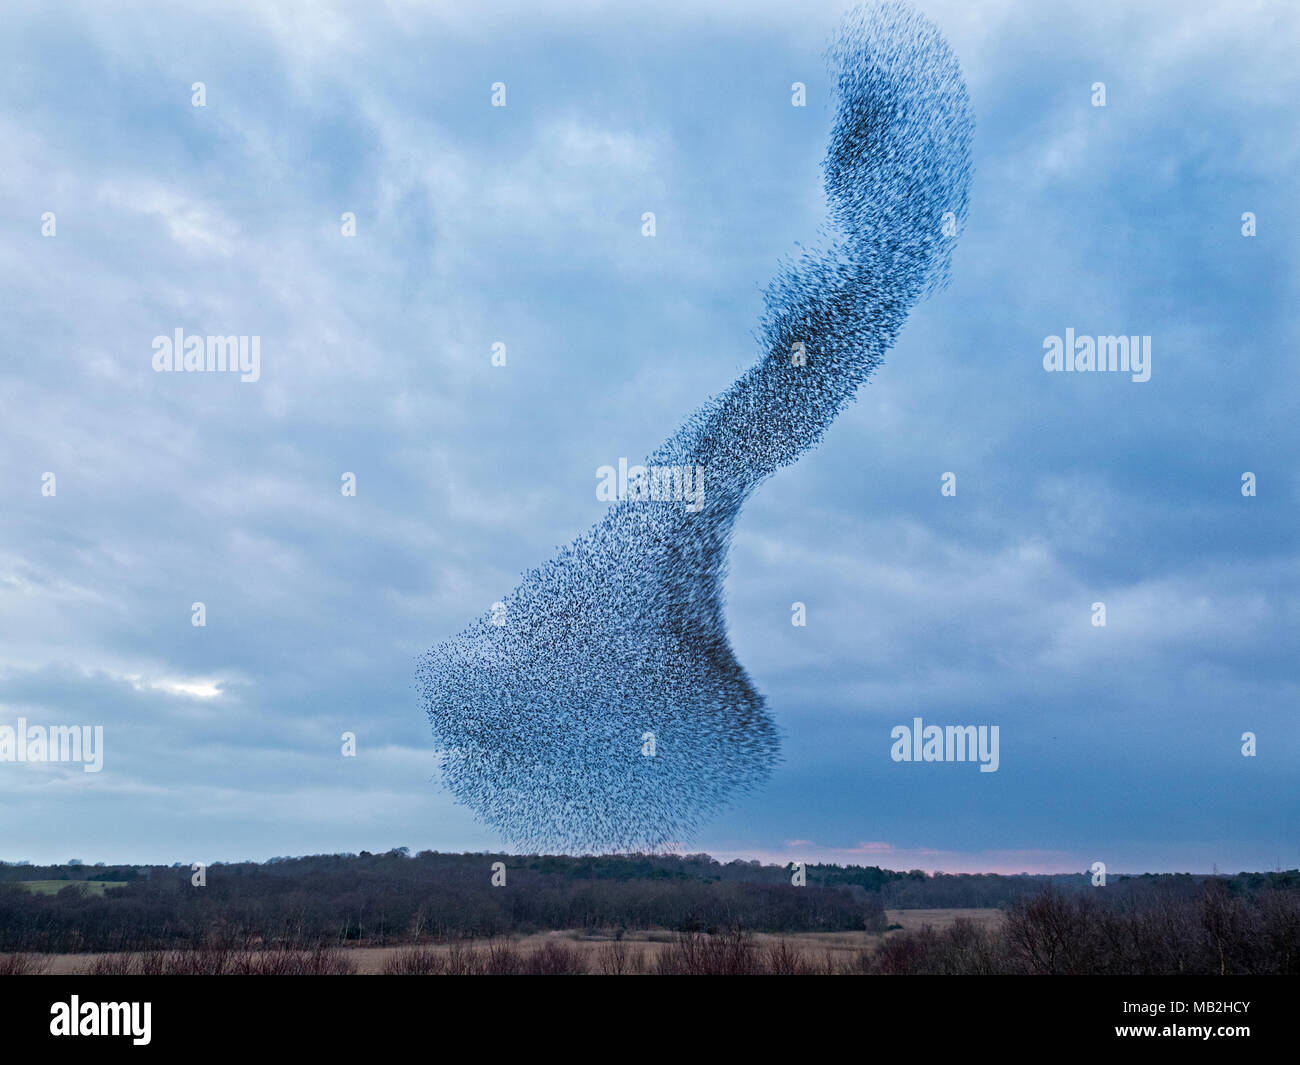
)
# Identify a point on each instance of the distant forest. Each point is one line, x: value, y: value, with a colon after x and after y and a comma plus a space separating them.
x: 398, y: 898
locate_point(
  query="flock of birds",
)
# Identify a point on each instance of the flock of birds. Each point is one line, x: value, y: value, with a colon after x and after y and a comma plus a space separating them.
x: 603, y: 708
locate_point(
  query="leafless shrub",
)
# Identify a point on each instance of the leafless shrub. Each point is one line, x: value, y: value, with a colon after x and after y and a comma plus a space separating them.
x: 1047, y: 931
x: 116, y: 965
x: 620, y: 959
x: 320, y: 960
x: 205, y: 961
x: 151, y: 963
x: 1280, y: 938
x: 418, y: 961
x: 462, y: 960
x: 1164, y: 929
x: 731, y: 953
x: 23, y: 964
x: 782, y: 958
x: 899, y: 955
x: 503, y: 959
x: 860, y: 963
x: 225, y: 960
x: 556, y: 959
x: 964, y: 947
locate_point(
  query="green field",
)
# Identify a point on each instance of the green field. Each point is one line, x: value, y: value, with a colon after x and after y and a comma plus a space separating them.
x: 53, y: 887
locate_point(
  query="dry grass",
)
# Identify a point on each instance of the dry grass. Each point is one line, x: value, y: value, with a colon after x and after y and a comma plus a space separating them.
x: 555, y: 953
x: 24, y: 964
x: 498, y: 958
x: 223, y: 961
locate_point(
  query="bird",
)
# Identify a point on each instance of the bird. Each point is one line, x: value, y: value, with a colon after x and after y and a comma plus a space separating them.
x: 540, y: 710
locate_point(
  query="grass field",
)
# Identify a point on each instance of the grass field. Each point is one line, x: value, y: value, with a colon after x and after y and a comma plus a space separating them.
x: 370, y: 960
x: 53, y: 887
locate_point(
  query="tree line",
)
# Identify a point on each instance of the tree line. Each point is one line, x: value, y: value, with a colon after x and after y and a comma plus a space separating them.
x: 397, y: 898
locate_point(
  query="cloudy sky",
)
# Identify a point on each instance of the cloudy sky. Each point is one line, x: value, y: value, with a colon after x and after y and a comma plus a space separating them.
x: 522, y: 225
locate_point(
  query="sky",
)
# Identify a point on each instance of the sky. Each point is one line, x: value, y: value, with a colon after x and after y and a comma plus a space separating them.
x: 522, y: 225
